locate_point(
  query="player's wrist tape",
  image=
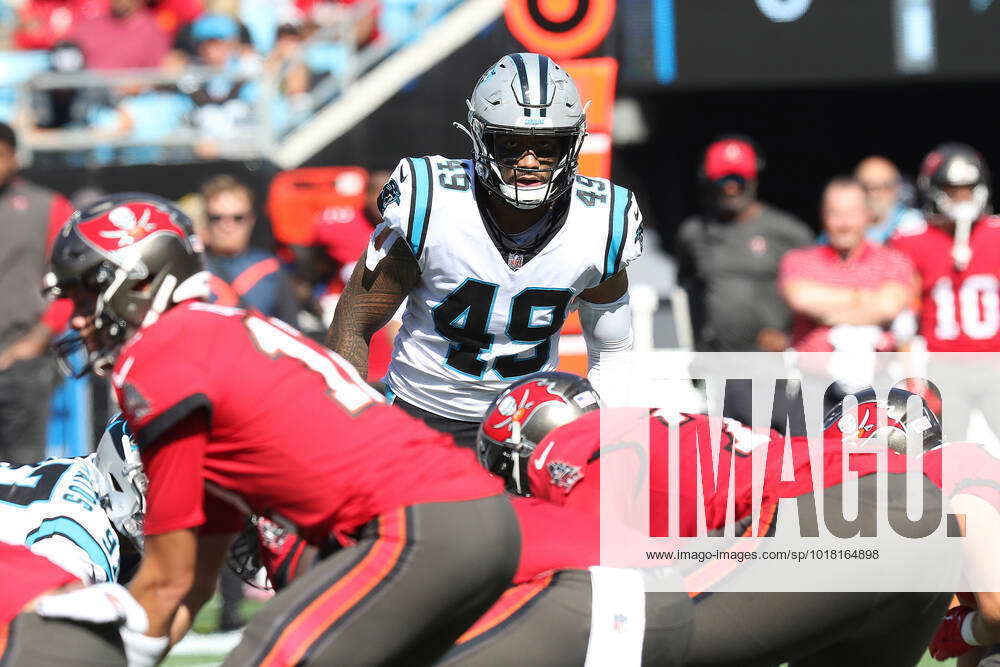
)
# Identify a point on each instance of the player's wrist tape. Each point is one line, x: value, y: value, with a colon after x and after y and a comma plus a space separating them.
x: 142, y: 650
x: 607, y: 329
x: 967, y: 635
x: 101, y: 603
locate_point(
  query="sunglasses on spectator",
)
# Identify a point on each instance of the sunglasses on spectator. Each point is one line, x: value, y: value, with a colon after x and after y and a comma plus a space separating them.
x: 239, y: 217
x: 875, y: 187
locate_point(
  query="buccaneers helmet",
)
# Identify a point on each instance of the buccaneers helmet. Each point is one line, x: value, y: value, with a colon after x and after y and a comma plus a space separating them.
x: 133, y: 256
x: 863, y: 425
x: 953, y: 165
x: 525, y: 94
x: 522, y: 415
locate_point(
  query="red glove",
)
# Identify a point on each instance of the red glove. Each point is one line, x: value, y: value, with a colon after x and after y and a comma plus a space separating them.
x: 948, y: 642
x: 280, y: 552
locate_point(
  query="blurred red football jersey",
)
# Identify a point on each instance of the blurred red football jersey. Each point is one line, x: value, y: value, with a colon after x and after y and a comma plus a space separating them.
x: 964, y: 468
x: 959, y: 310
x: 554, y: 538
x: 565, y: 468
x: 292, y: 431
x: 23, y: 577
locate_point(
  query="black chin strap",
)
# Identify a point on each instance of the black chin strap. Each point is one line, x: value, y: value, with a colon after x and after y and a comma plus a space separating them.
x: 553, y: 220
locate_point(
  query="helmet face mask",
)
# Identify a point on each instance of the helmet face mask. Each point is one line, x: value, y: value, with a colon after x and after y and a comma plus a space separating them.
x: 864, y: 429
x: 122, y: 480
x: 123, y: 261
x: 948, y: 169
x: 523, y: 415
x: 526, y: 99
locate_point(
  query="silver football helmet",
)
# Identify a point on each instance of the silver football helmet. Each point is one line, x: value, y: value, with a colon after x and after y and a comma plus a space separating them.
x: 123, y: 483
x: 526, y: 95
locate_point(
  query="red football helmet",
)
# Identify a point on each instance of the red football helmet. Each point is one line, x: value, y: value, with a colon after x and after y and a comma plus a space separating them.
x: 135, y: 255
x: 522, y: 415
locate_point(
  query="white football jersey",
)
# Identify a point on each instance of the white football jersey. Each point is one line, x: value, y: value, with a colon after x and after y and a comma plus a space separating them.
x: 476, y: 322
x: 54, y: 509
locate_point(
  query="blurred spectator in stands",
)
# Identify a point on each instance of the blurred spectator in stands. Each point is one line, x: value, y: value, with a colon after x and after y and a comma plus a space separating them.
x: 30, y: 217
x: 360, y: 15
x: 846, y: 292
x: 728, y: 254
x: 223, y: 102
x: 254, y: 274
x: 286, y: 63
x: 44, y: 23
x: 263, y: 18
x: 185, y: 46
x: 172, y: 14
x: 126, y: 36
x: 60, y: 107
x: 882, y: 183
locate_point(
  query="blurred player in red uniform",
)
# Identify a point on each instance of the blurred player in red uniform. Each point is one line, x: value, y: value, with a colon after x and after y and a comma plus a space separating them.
x: 546, y: 430
x: 956, y: 254
x: 235, y: 413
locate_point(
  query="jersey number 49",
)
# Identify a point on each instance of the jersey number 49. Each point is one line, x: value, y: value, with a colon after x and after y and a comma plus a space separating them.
x: 463, y: 319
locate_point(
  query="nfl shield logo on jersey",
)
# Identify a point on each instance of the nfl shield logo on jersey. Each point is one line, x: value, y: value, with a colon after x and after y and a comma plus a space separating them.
x: 564, y: 475
x: 515, y: 260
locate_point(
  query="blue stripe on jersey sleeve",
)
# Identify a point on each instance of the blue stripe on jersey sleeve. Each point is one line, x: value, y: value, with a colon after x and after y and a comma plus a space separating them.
x: 421, y: 207
x: 75, y: 533
x: 619, y: 202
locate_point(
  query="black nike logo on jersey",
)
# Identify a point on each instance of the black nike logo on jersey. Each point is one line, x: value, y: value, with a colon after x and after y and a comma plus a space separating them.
x: 402, y: 176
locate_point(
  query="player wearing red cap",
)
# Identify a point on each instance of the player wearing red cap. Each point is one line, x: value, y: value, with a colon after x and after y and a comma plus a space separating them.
x: 728, y: 253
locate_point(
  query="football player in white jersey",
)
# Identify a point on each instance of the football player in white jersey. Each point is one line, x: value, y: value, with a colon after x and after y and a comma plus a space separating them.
x: 76, y: 511
x: 492, y: 253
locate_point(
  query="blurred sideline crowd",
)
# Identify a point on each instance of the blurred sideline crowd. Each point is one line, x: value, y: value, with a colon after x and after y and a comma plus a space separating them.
x: 219, y: 68
x: 320, y: 218
x: 761, y: 280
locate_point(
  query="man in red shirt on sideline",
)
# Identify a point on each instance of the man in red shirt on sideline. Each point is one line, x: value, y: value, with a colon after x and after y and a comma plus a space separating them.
x: 846, y: 292
x: 956, y: 253
x: 235, y: 413
x: 543, y: 435
x: 126, y: 36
